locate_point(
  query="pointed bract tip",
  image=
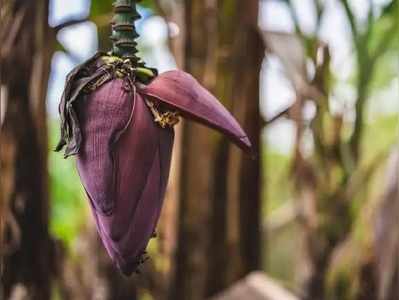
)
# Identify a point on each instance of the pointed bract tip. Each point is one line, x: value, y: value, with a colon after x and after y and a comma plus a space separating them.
x: 180, y: 91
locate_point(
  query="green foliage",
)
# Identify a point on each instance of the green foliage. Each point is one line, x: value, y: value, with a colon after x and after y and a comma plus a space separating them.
x: 68, y: 203
x: 148, y: 4
x: 380, y: 136
x: 278, y: 193
x: 276, y: 177
x: 101, y: 8
x: 385, y: 71
x: 281, y: 262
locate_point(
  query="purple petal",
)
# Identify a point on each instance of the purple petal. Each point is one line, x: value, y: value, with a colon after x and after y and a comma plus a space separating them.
x: 141, y: 160
x: 104, y: 114
x: 182, y: 92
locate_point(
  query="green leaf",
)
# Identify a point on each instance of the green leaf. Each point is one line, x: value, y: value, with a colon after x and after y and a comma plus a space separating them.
x: 69, y: 208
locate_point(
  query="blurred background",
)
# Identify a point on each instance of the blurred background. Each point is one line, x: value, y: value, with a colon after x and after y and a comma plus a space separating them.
x: 315, y: 84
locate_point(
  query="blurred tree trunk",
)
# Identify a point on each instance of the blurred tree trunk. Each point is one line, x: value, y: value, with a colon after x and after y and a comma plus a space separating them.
x: 25, y: 64
x: 164, y: 266
x: 219, y: 215
x: 385, y: 258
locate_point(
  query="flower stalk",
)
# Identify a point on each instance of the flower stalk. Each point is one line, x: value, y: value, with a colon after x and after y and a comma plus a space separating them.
x: 124, y: 33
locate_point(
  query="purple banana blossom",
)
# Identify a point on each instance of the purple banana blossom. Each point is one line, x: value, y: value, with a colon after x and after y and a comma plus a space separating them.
x: 122, y: 133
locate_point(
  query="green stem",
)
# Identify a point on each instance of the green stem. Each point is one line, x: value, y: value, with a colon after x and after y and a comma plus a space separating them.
x: 124, y: 33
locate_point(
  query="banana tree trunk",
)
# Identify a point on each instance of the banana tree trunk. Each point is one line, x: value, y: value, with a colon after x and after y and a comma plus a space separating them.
x: 219, y: 213
x: 25, y: 64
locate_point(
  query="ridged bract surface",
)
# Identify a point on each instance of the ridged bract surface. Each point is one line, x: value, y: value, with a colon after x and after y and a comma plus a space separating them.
x: 124, y: 165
